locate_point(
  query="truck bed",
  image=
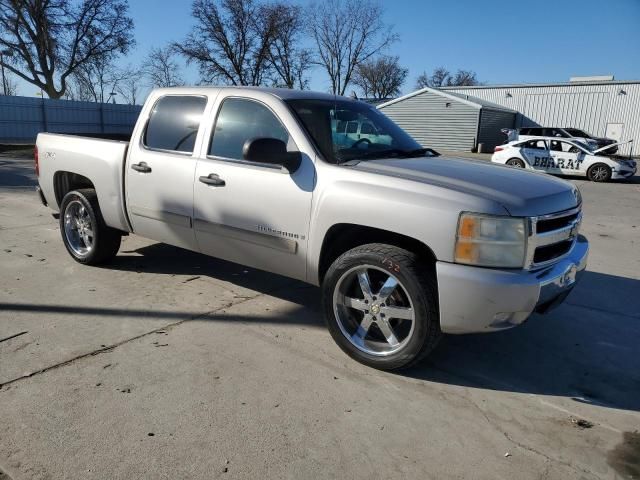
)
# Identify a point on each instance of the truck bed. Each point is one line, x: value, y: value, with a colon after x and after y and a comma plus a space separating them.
x: 100, y: 160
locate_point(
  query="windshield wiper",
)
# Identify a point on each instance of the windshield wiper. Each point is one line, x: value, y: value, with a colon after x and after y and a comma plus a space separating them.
x: 392, y: 153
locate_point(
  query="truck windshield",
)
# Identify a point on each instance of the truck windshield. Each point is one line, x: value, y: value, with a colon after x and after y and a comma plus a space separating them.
x: 345, y: 130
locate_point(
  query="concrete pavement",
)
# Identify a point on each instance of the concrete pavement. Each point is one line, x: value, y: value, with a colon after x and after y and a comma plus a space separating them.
x: 169, y: 364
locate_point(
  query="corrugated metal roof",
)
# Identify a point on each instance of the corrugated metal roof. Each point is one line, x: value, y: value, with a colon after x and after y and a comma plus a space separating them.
x: 466, y: 99
x: 484, y: 103
x: 530, y: 85
x: 590, y: 106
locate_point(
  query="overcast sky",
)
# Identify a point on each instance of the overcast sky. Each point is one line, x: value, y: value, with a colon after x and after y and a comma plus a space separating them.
x: 503, y: 41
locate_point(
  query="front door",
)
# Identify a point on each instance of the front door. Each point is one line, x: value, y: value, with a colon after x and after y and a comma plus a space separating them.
x: 566, y: 158
x: 160, y: 169
x: 252, y: 213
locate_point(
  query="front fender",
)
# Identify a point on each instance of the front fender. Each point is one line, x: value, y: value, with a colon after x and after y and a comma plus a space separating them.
x: 426, y: 213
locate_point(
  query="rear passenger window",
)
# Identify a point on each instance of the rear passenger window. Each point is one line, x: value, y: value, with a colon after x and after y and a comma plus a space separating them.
x: 352, y: 127
x: 240, y: 120
x: 536, y: 144
x: 174, y: 122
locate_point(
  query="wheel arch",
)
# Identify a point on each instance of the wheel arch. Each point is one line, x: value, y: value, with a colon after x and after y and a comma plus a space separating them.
x: 342, y: 237
x: 64, y: 182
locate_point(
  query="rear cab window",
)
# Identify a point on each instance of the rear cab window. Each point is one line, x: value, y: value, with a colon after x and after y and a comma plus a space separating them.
x: 174, y: 122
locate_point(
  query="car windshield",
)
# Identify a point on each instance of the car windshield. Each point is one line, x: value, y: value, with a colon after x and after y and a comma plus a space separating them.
x: 583, y: 145
x: 575, y: 132
x: 345, y: 130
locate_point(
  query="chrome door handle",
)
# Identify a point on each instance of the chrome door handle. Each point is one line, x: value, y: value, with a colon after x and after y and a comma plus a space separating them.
x: 213, y: 179
x: 141, y: 167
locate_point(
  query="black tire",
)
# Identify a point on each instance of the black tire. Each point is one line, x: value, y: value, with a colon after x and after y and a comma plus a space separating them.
x: 105, y: 241
x: 417, y: 281
x: 599, y: 172
x: 515, y: 162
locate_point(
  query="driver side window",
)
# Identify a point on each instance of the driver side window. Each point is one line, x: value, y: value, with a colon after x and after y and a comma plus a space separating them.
x: 239, y: 120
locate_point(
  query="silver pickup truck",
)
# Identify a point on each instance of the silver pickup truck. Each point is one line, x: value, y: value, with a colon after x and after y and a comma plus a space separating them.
x: 406, y: 245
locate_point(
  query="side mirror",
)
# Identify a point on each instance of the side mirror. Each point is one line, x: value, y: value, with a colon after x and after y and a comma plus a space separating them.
x: 272, y: 151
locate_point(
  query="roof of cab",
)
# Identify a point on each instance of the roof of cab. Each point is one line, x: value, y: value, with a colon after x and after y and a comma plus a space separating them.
x: 282, y: 93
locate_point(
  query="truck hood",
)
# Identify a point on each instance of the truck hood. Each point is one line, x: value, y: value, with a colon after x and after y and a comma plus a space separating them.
x: 520, y: 192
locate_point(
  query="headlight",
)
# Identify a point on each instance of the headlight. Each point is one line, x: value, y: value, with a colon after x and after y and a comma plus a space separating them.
x: 490, y: 241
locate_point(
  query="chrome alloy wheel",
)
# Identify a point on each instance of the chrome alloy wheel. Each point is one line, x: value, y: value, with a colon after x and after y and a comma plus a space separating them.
x: 373, y: 310
x: 599, y: 173
x: 78, y: 228
x: 515, y: 163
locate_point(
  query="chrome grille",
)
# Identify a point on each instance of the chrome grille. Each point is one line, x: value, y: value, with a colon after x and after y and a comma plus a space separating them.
x: 551, y: 237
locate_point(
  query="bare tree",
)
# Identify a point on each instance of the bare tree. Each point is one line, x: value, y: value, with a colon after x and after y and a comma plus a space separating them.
x: 464, y: 78
x: 129, y: 86
x: 422, y: 81
x: 94, y: 81
x: 50, y: 39
x: 161, y: 68
x: 441, y: 77
x: 288, y: 61
x: 9, y: 85
x: 231, y: 40
x: 347, y: 33
x: 101, y: 81
x: 380, y: 78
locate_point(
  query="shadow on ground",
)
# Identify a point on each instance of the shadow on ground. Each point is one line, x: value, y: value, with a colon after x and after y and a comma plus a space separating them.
x: 585, y: 350
x: 17, y: 173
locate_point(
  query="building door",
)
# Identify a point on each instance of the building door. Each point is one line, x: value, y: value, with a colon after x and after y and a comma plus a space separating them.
x: 615, y: 131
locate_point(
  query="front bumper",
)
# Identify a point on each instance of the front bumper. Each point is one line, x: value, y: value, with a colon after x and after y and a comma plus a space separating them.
x: 474, y: 299
x: 624, y: 172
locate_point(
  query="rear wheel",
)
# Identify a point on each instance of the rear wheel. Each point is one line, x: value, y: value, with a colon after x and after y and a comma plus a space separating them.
x: 599, y: 172
x: 380, y: 304
x: 515, y: 162
x: 85, y: 235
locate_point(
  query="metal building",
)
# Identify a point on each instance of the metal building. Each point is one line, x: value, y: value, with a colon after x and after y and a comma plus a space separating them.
x: 450, y: 121
x: 601, y: 106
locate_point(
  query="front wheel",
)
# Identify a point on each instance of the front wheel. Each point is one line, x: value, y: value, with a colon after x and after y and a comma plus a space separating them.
x: 85, y: 235
x: 599, y: 172
x: 380, y: 304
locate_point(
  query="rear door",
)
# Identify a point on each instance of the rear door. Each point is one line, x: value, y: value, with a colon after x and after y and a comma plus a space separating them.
x: 255, y: 214
x: 535, y: 152
x: 160, y: 169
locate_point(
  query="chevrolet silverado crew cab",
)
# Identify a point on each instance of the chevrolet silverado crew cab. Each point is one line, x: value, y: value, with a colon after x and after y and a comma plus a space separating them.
x: 406, y: 245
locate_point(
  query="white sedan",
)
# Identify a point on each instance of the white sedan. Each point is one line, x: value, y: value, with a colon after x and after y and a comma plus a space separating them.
x: 563, y: 157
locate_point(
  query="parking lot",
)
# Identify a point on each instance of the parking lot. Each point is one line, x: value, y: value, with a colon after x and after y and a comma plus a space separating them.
x: 170, y: 364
